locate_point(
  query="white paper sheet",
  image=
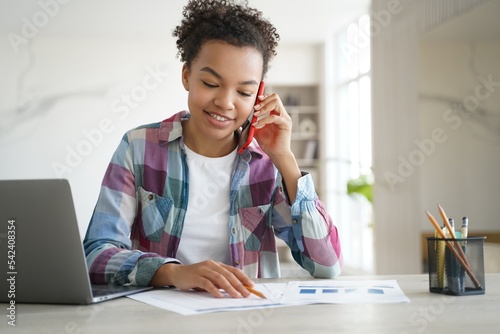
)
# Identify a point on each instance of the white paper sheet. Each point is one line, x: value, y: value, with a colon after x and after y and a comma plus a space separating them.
x: 344, y: 292
x: 278, y: 295
x: 197, y: 302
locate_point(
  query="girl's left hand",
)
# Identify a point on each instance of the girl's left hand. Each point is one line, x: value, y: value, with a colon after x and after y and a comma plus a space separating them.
x: 273, y: 128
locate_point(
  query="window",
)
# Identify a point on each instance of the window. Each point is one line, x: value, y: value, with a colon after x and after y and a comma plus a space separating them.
x: 350, y: 156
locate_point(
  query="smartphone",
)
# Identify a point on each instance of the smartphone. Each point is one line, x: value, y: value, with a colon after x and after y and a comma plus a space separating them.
x: 247, y: 130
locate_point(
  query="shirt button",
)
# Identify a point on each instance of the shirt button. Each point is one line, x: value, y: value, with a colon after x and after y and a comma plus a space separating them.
x: 237, y: 263
x: 295, y: 220
x: 150, y: 197
x: 233, y: 230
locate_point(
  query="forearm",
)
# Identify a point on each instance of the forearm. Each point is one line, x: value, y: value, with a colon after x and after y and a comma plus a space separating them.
x: 290, y: 172
x: 109, y: 264
x: 163, y: 276
x: 309, y: 231
x: 321, y: 251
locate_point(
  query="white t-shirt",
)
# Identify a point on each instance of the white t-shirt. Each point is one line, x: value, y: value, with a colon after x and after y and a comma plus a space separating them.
x: 206, y: 232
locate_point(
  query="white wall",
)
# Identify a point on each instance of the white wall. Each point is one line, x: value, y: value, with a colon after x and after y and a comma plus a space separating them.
x: 461, y: 170
x: 297, y: 64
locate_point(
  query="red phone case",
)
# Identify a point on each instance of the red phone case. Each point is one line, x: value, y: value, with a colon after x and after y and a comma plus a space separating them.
x: 248, y: 130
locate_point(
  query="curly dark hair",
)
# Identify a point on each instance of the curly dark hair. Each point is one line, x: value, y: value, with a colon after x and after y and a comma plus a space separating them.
x: 222, y: 20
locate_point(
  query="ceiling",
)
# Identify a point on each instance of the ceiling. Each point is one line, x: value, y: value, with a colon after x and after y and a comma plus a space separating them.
x: 480, y: 23
x: 297, y: 21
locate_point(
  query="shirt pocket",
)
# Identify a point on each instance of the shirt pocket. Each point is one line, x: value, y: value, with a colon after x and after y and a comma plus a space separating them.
x: 256, y: 230
x: 154, y: 212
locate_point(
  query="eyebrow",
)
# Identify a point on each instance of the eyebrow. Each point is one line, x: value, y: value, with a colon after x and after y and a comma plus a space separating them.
x: 218, y: 76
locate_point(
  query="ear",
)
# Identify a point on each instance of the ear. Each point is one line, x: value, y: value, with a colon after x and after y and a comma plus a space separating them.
x: 185, y: 77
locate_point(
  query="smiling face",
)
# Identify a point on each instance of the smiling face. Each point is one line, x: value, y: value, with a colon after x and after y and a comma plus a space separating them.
x: 222, y: 84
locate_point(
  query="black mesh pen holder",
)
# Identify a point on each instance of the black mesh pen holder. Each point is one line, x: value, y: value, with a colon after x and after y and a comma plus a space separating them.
x: 456, y: 266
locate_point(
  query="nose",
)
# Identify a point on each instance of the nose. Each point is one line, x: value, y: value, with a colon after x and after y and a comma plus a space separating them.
x: 224, y: 99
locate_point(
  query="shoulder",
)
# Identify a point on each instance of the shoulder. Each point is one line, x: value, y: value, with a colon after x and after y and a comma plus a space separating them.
x: 158, y: 132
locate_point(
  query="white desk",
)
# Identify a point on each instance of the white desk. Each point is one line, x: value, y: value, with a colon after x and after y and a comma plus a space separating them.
x: 426, y: 313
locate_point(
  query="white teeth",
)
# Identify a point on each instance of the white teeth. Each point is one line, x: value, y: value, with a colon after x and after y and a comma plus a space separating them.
x: 219, y: 118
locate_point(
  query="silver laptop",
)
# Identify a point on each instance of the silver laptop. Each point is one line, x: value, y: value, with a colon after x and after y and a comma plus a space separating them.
x: 41, y: 252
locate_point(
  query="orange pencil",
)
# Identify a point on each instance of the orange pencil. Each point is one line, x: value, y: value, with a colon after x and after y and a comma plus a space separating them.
x: 452, y: 234
x: 446, y: 222
x: 255, y: 292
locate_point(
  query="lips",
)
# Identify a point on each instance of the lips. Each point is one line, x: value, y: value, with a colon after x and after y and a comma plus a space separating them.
x: 218, y: 117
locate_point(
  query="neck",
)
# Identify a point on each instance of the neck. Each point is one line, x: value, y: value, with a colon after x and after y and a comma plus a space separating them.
x: 211, y: 148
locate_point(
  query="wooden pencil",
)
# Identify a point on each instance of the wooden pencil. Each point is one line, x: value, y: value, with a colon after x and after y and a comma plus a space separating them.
x: 255, y: 292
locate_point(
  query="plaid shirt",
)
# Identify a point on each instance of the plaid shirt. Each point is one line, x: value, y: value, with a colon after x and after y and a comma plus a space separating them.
x: 137, y: 223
